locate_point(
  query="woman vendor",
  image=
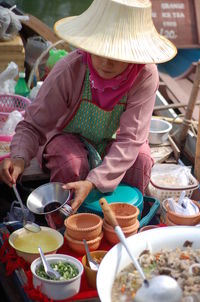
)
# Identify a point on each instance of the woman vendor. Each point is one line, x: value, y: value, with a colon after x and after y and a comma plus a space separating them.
x: 89, y: 124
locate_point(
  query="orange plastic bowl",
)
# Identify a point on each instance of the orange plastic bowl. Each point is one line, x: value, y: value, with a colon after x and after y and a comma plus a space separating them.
x: 83, y: 226
x: 126, y: 214
x: 78, y: 245
x: 182, y: 219
x: 111, y: 236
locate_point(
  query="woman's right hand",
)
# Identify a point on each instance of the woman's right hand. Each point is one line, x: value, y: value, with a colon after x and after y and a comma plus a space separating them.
x: 10, y: 169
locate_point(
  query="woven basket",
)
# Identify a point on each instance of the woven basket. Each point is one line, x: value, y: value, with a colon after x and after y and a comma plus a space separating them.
x: 163, y: 193
x: 9, y: 103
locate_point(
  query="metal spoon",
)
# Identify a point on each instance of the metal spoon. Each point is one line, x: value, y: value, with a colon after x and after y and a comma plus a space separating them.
x: 92, y: 263
x: 48, y: 269
x: 28, y: 225
x: 160, y: 288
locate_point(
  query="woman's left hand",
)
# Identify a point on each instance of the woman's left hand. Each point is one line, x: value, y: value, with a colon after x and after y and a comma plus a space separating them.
x: 81, y: 190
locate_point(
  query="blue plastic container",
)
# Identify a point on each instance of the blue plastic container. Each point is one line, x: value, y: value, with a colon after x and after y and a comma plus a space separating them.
x: 123, y: 193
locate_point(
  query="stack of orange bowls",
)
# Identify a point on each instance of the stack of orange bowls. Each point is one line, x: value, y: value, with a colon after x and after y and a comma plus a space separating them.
x: 126, y: 215
x: 81, y: 226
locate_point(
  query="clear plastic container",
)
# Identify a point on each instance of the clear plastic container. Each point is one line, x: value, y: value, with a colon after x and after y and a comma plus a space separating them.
x: 34, y: 91
x: 21, y: 87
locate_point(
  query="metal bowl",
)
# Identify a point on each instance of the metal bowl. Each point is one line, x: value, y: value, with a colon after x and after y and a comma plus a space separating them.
x: 48, y: 198
x: 159, y: 131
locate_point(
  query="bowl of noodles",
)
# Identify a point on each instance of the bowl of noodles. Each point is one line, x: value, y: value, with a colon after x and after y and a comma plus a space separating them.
x: 173, y: 251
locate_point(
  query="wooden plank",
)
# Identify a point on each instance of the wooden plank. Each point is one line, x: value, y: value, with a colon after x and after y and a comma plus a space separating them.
x: 174, y: 87
x: 180, y: 89
x: 160, y: 153
x: 13, y: 45
x: 197, y: 154
x: 7, y: 56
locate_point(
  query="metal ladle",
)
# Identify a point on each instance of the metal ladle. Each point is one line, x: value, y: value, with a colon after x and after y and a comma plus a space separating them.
x: 28, y: 225
x: 48, y: 269
x: 160, y: 288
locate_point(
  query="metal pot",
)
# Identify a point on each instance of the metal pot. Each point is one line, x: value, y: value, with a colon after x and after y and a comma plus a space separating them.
x: 52, y: 201
x: 159, y: 131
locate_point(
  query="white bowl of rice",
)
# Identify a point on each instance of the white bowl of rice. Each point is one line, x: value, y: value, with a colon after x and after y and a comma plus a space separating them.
x: 174, y: 243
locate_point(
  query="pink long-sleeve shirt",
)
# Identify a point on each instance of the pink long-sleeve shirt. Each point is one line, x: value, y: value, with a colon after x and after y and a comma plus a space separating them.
x: 58, y: 100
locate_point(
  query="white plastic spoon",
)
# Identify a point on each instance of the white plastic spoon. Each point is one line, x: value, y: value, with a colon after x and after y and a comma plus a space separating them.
x: 48, y: 269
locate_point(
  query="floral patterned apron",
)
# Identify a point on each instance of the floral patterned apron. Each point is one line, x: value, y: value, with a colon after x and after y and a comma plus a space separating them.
x: 94, y: 124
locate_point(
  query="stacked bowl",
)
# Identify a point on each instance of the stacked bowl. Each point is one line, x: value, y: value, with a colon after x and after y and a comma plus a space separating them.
x: 81, y: 226
x: 126, y: 215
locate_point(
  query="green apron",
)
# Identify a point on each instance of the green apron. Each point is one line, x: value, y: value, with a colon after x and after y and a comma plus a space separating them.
x: 95, y: 125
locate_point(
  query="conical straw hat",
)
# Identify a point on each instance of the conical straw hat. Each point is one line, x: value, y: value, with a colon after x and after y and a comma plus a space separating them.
x: 121, y: 30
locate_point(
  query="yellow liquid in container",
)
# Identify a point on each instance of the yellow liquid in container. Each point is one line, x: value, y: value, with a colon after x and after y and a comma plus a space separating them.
x: 29, y: 242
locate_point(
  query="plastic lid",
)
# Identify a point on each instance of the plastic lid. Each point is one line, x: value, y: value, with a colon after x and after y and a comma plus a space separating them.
x: 22, y: 74
x: 123, y: 193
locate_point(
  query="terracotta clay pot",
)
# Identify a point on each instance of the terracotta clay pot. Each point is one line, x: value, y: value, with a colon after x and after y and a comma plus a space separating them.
x: 81, y: 226
x: 110, y: 235
x: 78, y: 245
x: 178, y: 219
x: 169, y: 222
x: 126, y: 214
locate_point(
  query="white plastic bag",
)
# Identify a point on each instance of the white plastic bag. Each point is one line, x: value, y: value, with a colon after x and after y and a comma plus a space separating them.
x: 188, y: 209
x: 170, y: 175
x: 7, y: 82
x: 10, y: 23
x: 13, y: 119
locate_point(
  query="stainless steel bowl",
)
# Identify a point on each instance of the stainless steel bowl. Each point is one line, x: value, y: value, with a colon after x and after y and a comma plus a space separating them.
x: 48, y: 198
x: 159, y: 131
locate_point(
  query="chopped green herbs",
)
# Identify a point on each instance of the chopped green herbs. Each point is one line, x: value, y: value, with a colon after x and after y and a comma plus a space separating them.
x: 67, y: 270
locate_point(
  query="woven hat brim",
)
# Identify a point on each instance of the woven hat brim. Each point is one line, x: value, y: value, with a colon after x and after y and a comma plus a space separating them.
x: 145, y: 48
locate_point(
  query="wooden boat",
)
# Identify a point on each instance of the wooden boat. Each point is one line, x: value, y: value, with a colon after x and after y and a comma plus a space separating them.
x: 162, y: 153
x: 172, y: 91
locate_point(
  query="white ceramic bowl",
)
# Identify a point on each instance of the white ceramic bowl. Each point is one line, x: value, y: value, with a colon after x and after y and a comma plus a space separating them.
x: 159, y: 131
x: 117, y: 258
x: 58, y: 290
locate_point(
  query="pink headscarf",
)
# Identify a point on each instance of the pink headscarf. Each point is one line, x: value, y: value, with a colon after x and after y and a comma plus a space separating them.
x: 108, y: 92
